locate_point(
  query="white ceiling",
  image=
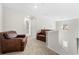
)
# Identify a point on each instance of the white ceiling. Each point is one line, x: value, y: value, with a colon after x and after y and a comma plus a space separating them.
x: 58, y: 10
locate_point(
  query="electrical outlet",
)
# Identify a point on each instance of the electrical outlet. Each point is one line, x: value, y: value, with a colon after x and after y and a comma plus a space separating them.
x: 65, y: 44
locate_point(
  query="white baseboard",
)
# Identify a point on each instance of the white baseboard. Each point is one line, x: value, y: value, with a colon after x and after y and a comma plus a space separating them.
x: 53, y: 50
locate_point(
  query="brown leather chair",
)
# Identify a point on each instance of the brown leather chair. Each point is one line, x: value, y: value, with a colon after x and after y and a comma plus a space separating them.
x: 8, y: 44
x: 41, y: 36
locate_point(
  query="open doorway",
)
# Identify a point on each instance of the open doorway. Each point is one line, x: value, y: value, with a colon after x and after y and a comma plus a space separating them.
x: 27, y: 22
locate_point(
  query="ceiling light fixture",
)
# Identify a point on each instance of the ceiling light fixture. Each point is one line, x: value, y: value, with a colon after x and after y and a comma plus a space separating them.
x: 35, y: 6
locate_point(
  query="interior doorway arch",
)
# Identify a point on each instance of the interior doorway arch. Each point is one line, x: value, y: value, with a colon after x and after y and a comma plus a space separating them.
x: 27, y: 22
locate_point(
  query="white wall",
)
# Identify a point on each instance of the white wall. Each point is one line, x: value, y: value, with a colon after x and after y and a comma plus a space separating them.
x: 41, y: 23
x: 69, y: 36
x: 46, y: 14
x: 0, y: 22
x: 0, y: 17
x: 78, y: 28
x: 13, y: 20
x: 53, y: 42
x: 67, y: 42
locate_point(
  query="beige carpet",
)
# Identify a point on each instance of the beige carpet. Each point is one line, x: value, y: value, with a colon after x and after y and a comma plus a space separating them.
x: 34, y: 47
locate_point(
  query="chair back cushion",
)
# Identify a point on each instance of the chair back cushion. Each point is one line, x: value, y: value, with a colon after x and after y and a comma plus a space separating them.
x: 10, y: 34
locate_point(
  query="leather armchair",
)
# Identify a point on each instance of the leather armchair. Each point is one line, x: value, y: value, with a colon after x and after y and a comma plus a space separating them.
x: 12, y: 44
x: 41, y: 36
